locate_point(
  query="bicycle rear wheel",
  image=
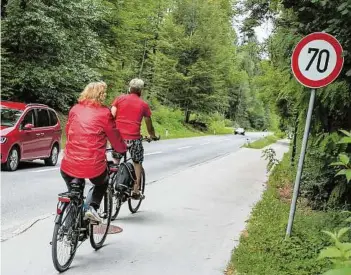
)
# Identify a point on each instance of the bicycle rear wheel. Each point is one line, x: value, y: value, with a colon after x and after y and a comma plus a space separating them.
x: 98, y: 232
x: 65, y: 238
x: 134, y: 205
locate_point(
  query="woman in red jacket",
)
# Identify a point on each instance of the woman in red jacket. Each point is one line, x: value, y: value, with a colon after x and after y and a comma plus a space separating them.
x: 89, y: 126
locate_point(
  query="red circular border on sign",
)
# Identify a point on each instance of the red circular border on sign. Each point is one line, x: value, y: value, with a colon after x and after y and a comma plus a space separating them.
x: 295, y: 59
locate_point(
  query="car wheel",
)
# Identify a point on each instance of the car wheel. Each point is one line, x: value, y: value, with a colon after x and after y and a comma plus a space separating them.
x: 52, y: 160
x: 13, y: 160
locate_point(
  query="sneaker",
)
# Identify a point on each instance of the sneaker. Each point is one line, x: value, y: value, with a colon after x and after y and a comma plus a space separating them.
x: 137, y: 196
x: 92, y: 215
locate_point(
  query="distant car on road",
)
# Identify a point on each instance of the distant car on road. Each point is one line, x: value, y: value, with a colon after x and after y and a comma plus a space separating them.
x: 28, y: 132
x: 239, y: 131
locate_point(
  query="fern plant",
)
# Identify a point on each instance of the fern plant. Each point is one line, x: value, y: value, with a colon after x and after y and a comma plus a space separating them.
x: 343, y: 162
x: 340, y: 252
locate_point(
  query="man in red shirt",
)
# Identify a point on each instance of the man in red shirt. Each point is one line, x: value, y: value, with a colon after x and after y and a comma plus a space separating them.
x: 129, y: 110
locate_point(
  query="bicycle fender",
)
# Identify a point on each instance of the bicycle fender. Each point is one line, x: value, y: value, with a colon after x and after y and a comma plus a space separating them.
x: 60, y: 209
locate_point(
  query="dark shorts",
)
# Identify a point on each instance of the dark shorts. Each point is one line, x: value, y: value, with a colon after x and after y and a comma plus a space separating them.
x: 136, y: 151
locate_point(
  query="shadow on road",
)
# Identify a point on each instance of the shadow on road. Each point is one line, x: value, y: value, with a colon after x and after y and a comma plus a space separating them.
x: 141, y: 217
x: 27, y: 165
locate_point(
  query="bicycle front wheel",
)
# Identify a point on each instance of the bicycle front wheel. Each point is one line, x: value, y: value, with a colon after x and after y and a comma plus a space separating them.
x: 134, y: 205
x: 65, y: 238
x: 116, y: 206
x: 98, y: 232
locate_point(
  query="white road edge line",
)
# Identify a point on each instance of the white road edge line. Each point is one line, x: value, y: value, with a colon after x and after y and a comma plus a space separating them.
x: 153, y: 153
x: 205, y: 143
x: 185, y: 147
x: 44, y: 170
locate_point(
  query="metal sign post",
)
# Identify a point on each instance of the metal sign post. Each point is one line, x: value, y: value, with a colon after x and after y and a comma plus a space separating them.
x: 317, y: 61
x: 300, y: 165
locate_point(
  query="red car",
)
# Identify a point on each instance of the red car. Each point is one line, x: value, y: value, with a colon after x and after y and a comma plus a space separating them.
x: 28, y: 132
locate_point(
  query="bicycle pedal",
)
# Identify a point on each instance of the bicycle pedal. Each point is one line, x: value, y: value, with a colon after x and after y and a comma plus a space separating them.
x: 82, y: 238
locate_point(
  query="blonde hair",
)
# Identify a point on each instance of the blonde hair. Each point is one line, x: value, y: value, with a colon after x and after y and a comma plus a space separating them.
x: 94, y: 91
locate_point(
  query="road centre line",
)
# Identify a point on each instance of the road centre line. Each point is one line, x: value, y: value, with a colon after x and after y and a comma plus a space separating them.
x: 44, y: 170
x: 205, y: 143
x: 185, y: 147
x: 153, y: 153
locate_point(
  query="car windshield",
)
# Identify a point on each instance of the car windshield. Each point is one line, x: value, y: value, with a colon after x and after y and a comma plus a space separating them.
x: 9, y: 117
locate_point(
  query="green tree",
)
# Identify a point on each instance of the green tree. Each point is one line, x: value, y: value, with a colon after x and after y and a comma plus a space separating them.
x: 194, y: 57
x: 50, y: 50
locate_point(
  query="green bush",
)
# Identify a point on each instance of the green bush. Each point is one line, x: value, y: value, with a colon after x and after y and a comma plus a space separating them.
x: 263, y: 249
x: 228, y: 123
x: 218, y: 128
x: 340, y: 252
x: 171, y: 120
x: 280, y: 134
x: 318, y: 184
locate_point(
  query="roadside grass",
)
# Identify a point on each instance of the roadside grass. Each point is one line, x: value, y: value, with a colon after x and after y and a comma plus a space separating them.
x: 263, y: 249
x: 263, y: 142
x: 165, y: 119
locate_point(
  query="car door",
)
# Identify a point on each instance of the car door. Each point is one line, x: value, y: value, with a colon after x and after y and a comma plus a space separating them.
x: 43, y: 125
x: 55, y: 130
x: 29, y: 137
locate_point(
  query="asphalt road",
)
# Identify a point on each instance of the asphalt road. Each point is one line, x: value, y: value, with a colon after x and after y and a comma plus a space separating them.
x: 32, y: 190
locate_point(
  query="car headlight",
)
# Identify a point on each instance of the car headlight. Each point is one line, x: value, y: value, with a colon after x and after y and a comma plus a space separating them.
x: 3, y: 140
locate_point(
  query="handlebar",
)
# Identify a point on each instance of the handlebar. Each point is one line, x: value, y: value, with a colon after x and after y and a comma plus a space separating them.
x: 148, y: 139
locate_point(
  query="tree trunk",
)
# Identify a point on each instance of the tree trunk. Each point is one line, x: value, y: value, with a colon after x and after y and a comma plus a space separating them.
x: 187, y: 115
x: 143, y: 60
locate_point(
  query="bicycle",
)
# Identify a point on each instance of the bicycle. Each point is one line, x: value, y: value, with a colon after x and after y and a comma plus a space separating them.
x: 71, y: 227
x: 121, y: 194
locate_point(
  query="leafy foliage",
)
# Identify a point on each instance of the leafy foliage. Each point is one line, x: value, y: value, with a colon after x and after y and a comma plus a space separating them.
x: 340, y: 252
x: 50, y: 50
x: 270, y: 155
x: 344, y: 160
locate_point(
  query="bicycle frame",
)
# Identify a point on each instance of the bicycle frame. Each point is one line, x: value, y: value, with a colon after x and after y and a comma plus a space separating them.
x: 121, y: 195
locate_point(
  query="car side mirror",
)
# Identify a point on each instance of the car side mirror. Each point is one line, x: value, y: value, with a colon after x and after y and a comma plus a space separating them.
x: 28, y: 126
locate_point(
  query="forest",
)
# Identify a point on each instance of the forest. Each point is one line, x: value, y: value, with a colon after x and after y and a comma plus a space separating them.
x: 186, y: 51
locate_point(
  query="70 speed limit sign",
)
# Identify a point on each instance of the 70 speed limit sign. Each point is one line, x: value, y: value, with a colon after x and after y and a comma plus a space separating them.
x: 317, y: 60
